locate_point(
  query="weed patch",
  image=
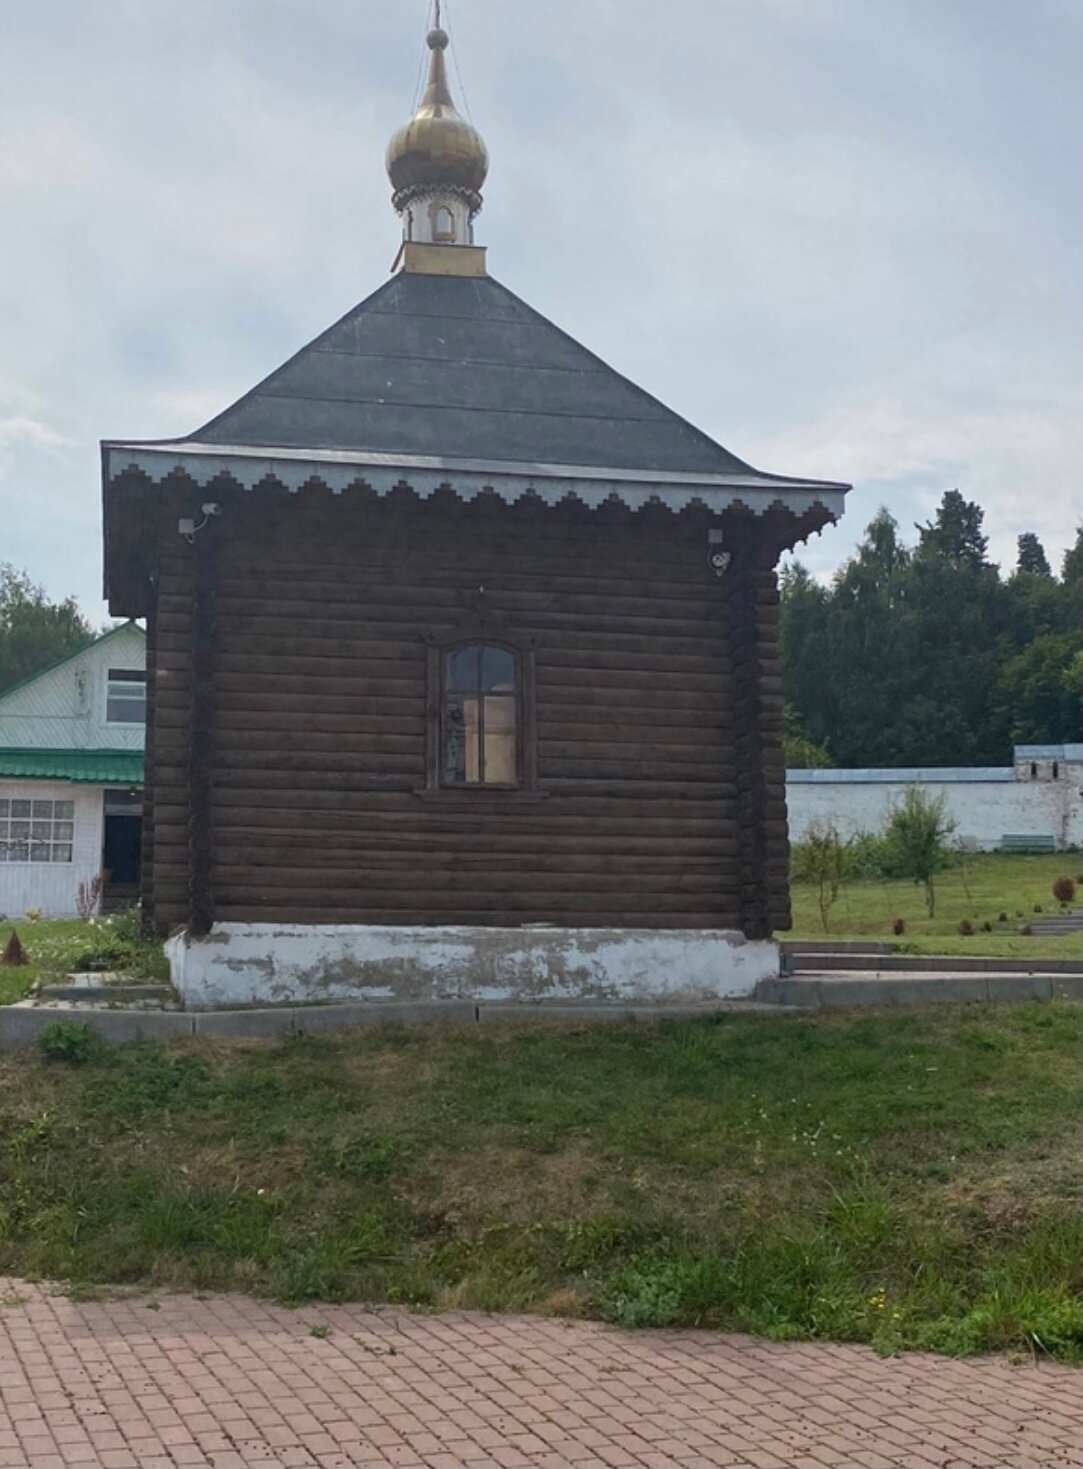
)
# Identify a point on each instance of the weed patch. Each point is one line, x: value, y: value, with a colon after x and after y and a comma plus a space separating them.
x: 908, y: 1180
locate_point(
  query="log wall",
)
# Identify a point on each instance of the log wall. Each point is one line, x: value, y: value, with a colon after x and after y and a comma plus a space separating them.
x: 288, y: 751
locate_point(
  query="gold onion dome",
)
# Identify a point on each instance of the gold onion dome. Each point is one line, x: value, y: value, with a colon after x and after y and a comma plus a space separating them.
x: 437, y: 149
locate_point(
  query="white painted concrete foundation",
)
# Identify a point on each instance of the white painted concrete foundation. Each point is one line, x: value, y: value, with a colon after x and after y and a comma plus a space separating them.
x: 279, y: 964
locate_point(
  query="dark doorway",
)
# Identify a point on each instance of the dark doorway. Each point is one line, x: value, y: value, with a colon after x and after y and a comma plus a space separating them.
x: 122, y: 850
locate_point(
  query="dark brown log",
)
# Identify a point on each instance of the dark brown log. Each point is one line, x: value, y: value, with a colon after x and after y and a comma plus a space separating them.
x: 658, y: 721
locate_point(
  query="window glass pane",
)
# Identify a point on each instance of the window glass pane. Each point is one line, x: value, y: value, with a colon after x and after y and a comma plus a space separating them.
x: 500, y: 762
x: 41, y: 830
x: 464, y: 670
x: 63, y: 831
x: 126, y: 696
x: 20, y: 808
x: 4, y: 850
x: 125, y: 710
x: 498, y: 671
x: 43, y: 810
x: 19, y: 851
x: 5, y: 808
x: 62, y: 852
x: 39, y: 851
x: 20, y: 828
x: 64, y: 810
x: 461, y: 745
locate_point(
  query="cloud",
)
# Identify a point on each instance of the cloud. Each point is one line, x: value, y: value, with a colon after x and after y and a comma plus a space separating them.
x: 841, y: 237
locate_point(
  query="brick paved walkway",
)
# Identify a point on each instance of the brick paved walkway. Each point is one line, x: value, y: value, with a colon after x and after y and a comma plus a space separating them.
x: 233, y: 1383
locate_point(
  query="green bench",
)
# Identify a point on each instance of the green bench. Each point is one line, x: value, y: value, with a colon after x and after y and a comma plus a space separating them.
x: 1028, y: 844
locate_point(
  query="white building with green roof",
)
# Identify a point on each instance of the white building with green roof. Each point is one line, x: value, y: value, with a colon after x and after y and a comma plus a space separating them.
x: 71, y: 778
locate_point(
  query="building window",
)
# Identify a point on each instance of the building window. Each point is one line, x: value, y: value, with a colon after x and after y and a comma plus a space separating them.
x: 36, y: 831
x: 479, y: 739
x: 126, y: 696
x: 443, y: 226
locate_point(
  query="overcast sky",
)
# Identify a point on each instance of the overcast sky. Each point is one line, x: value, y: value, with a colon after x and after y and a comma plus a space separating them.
x: 842, y: 236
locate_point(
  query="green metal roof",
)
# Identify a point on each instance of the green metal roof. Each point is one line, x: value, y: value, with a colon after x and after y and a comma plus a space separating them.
x: 99, y: 767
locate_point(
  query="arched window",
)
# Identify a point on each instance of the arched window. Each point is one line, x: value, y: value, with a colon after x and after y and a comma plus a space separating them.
x: 479, y: 724
x: 443, y: 225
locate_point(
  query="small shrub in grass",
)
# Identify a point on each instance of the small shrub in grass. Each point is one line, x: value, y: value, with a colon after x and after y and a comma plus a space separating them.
x: 1038, y: 908
x: 1026, y: 930
x: 916, y: 834
x: 966, y: 928
x: 824, y: 860
x: 14, y: 955
x: 1049, y: 1321
x: 647, y: 1292
x: 66, y: 1040
x: 1002, y: 918
x: 1064, y: 891
x: 898, y: 927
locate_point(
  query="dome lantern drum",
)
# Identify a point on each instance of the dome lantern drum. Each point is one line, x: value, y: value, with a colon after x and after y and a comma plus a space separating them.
x: 437, y: 157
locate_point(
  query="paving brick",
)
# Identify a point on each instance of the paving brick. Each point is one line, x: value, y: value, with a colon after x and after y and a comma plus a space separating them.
x: 228, y: 1383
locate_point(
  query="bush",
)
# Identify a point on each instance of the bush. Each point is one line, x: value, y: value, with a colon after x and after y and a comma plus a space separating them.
x: 119, y: 944
x: 871, y: 857
x: 647, y: 1292
x: 823, y: 859
x: 899, y: 927
x: 65, y: 1040
x: 916, y: 834
x: 1064, y: 891
x: 966, y: 928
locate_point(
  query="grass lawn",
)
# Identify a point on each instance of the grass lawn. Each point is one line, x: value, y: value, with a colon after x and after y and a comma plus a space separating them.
x: 990, y: 884
x: 55, y: 946
x: 906, y: 1179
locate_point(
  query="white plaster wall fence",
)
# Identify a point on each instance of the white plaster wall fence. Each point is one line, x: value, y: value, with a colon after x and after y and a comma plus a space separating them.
x: 1039, y: 796
x: 241, y: 964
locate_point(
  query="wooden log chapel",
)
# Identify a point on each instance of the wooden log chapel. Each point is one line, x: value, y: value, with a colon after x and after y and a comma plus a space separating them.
x: 462, y: 655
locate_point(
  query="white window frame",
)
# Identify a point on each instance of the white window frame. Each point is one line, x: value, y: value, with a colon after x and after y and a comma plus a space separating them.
x: 119, y: 684
x: 43, y: 832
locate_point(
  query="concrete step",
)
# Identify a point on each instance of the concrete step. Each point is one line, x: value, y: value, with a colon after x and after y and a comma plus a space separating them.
x: 840, y: 989
x: 119, y: 897
x: 105, y: 989
x: 837, y: 946
x: 800, y: 965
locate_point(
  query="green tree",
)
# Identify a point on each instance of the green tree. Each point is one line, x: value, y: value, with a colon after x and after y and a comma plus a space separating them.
x: 35, y: 632
x: 801, y: 752
x: 1072, y: 569
x: 917, y: 833
x: 1040, y: 690
x: 1031, y: 559
x: 909, y: 657
x: 955, y: 534
x: 823, y: 858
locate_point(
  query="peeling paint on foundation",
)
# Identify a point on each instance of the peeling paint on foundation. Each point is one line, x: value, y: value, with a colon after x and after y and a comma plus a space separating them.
x: 269, y: 964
